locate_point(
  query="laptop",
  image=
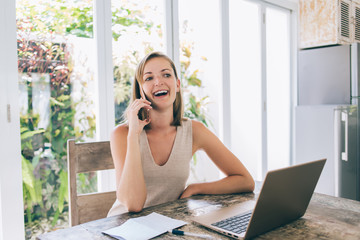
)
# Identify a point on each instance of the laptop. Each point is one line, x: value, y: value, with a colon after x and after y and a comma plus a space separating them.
x: 284, y: 197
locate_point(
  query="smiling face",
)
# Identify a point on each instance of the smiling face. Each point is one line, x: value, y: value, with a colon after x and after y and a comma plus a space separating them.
x: 159, y: 82
x: 140, y: 83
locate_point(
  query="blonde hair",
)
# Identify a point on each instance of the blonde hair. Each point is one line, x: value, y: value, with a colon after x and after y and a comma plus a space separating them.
x: 178, y: 105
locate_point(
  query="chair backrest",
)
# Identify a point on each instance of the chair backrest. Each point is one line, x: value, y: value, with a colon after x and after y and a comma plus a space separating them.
x: 88, y: 157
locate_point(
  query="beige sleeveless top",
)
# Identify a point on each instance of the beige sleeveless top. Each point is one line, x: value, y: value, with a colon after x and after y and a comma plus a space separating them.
x: 164, y: 183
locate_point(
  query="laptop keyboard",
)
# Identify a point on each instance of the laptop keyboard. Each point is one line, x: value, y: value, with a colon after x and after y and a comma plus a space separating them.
x: 236, y: 224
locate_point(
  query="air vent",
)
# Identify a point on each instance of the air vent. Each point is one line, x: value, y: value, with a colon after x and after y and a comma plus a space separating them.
x: 357, y: 23
x: 345, y: 19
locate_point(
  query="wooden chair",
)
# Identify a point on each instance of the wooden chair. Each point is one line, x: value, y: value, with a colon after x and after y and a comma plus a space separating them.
x: 88, y: 157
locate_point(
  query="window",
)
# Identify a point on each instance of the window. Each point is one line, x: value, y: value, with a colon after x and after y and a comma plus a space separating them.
x: 200, y: 67
x: 138, y: 28
x: 278, y: 87
x: 56, y: 100
x: 245, y: 83
x: 260, y: 85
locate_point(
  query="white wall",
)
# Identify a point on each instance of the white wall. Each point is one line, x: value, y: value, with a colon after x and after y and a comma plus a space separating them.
x: 11, y: 204
x: 1, y: 222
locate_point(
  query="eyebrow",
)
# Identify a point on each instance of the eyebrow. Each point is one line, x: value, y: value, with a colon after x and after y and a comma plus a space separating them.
x: 165, y: 69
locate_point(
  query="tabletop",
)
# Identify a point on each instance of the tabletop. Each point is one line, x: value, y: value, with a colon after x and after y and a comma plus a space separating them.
x: 327, y: 217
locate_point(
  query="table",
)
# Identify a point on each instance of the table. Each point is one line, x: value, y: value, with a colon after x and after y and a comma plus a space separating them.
x: 327, y: 217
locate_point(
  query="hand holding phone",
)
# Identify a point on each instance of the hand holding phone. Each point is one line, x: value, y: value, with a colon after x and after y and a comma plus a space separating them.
x: 143, y: 113
x: 137, y: 115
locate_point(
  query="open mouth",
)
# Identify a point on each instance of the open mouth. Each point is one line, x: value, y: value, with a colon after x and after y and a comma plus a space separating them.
x: 160, y: 93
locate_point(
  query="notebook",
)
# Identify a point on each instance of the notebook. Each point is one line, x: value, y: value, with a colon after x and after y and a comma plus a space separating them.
x: 284, y: 197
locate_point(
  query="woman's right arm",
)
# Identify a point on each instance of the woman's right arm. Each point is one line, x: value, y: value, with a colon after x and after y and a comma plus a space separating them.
x: 125, y: 150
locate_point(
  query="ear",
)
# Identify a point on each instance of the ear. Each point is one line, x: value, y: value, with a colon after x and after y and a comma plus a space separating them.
x: 178, y: 85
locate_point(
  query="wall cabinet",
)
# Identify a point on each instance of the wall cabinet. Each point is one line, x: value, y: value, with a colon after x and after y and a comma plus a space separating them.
x: 329, y: 22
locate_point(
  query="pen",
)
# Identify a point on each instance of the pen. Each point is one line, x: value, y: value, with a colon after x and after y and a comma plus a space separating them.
x: 178, y: 232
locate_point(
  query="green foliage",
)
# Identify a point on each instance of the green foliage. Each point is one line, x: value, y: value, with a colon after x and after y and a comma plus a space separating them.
x: 86, y: 182
x: 45, y: 177
x: 58, y: 17
x: 45, y: 181
x: 123, y: 18
x: 123, y: 76
x: 122, y: 87
x: 195, y: 107
x: 31, y: 188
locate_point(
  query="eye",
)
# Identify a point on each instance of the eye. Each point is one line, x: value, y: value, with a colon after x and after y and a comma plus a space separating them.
x: 167, y: 75
x: 148, y: 79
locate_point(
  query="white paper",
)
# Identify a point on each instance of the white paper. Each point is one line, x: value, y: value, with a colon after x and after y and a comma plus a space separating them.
x: 143, y: 228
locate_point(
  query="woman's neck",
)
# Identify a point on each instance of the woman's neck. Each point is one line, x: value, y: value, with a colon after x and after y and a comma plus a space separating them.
x: 161, y: 121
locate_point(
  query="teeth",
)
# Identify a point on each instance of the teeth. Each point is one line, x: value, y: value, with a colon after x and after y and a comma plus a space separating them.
x: 160, y: 93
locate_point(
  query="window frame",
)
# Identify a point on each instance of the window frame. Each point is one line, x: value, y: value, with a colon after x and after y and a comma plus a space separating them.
x: 11, y: 196
x: 105, y: 109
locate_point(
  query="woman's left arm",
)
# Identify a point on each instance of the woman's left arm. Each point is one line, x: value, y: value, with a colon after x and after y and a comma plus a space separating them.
x: 237, y: 179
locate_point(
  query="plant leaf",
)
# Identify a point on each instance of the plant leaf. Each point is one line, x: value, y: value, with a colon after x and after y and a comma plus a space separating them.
x: 63, y: 190
x: 53, y: 101
x: 30, y: 134
x: 28, y: 179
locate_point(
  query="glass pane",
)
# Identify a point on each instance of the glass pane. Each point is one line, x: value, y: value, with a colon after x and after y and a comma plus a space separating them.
x: 245, y: 82
x: 200, y: 60
x: 138, y: 28
x: 278, y: 87
x: 56, y: 102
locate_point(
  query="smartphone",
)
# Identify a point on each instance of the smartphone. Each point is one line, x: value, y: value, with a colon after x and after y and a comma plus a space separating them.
x: 143, y: 113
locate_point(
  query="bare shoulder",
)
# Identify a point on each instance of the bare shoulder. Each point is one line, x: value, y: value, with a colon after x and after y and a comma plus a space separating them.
x: 120, y: 132
x: 198, y: 127
x: 201, y: 135
x: 118, y: 143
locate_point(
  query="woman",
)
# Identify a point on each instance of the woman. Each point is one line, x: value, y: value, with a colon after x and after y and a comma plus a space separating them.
x: 152, y: 151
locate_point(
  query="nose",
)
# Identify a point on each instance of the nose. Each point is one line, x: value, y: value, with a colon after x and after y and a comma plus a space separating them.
x: 157, y: 80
